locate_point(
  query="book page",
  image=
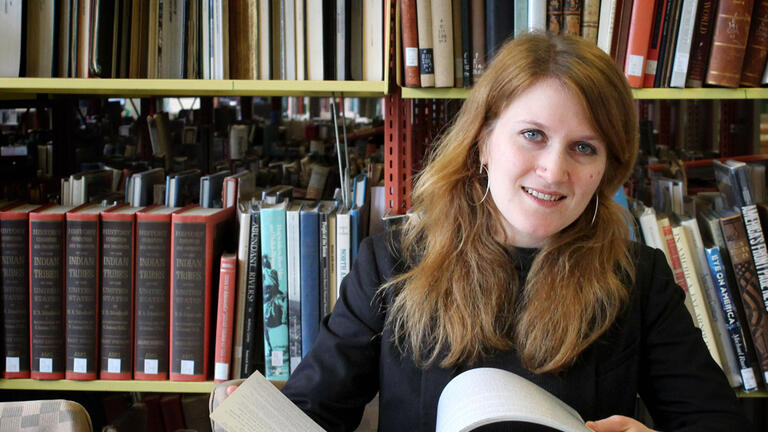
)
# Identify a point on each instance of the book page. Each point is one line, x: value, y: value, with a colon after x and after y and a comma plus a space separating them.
x: 483, y: 396
x: 257, y: 405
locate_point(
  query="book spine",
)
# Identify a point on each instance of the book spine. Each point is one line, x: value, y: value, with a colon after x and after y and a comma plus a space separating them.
x: 117, y: 284
x: 521, y: 17
x: 426, y: 53
x: 458, y: 63
x: 749, y: 287
x: 555, y: 16
x: 252, y: 342
x: 153, y: 276
x: 684, y: 39
x: 325, y: 266
x: 754, y: 58
x: 466, y: 44
x: 652, y: 60
x: 674, y: 257
x: 46, y: 298
x: 620, y: 44
x: 572, y: 17
x: 701, y: 44
x: 638, y: 42
x: 410, y: 43
x: 343, y: 248
x: 757, y: 247
x: 607, y: 24
x: 293, y: 254
x: 82, y: 298
x: 729, y: 43
x: 192, y: 257
x: 274, y: 283
x: 589, y: 20
x: 498, y: 16
x: 735, y: 331
x: 537, y: 15
x: 477, y: 15
x: 14, y: 273
x: 225, y: 318
x: 310, y: 280
x: 442, y: 42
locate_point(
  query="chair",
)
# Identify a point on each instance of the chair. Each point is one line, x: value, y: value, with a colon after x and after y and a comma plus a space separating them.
x: 56, y: 415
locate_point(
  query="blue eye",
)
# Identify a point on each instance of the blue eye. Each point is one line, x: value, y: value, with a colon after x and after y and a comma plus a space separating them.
x: 585, y: 148
x: 532, y: 134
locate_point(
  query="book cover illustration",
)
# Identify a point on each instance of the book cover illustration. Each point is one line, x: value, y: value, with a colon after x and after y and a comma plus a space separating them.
x: 274, y: 264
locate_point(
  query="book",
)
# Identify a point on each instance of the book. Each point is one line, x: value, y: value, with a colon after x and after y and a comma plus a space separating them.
x: 47, y: 227
x: 211, y: 189
x: 572, y: 17
x: 314, y: 44
x: 309, y: 237
x: 606, y: 24
x: 237, y: 187
x: 652, y: 58
x: 225, y: 317
x: 729, y: 42
x: 682, y: 50
x: 153, y: 289
x: 253, y: 321
x: 343, y: 247
x: 757, y: 43
x: 498, y: 16
x: 118, y: 235
x: 555, y: 16
x: 638, y: 42
x: 466, y: 43
x: 198, y: 237
x: 243, y: 35
x: 11, y: 49
x: 589, y: 20
x: 327, y: 216
x: 477, y: 26
x: 293, y: 271
x: 458, y: 37
x: 238, y: 312
x: 442, y: 42
x: 82, y: 291
x: 373, y: 40
x: 40, y: 38
x: 14, y: 273
x: 300, y: 26
x: 426, y: 53
x: 343, y: 39
x: 700, y: 46
x: 274, y: 263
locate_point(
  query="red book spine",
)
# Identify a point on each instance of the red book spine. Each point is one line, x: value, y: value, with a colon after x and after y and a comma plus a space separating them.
x: 654, y: 43
x: 638, y: 42
x: 46, y: 294
x: 195, y: 244
x: 225, y: 317
x: 81, y: 272
x: 410, y: 43
x: 118, y: 235
x: 674, y: 257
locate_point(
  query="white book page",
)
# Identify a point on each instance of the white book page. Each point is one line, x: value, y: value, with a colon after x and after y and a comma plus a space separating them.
x: 257, y: 405
x: 483, y: 396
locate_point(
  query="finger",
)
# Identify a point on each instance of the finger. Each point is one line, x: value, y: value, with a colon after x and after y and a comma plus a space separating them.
x: 230, y: 389
x: 614, y: 423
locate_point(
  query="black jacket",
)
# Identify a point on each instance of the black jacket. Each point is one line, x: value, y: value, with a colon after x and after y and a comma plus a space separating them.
x: 652, y: 350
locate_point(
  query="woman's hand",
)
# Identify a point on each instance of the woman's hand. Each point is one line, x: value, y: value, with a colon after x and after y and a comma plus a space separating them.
x: 231, y: 389
x: 617, y: 423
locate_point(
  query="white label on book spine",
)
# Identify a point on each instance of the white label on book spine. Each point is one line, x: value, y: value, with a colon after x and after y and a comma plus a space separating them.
x: 277, y: 358
x: 748, y: 377
x: 681, y: 62
x: 650, y: 66
x: 150, y: 366
x: 187, y: 367
x: 46, y: 364
x: 221, y: 371
x: 11, y: 364
x: 412, y: 56
x: 636, y: 65
x: 80, y: 365
x: 113, y: 365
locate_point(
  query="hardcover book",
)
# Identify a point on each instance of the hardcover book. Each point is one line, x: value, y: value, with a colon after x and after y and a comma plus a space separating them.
x: 253, y: 321
x: 729, y: 42
x: 118, y: 231
x: 225, y: 316
x: 198, y: 237
x: 426, y: 53
x: 274, y: 264
x: 702, y: 40
x: 47, y: 227
x: 14, y: 273
x: 310, y: 276
x: 82, y: 270
x: 153, y: 288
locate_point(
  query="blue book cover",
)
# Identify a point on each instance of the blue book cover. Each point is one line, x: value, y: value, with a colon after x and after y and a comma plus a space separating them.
x: 274, y: 269
x: 735, y: 332
x: 310, y: 277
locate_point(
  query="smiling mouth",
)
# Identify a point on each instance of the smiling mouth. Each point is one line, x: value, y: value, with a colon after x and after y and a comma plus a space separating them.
x: 543, y: 196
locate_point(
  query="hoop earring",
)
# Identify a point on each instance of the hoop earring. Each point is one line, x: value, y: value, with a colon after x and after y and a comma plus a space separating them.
x: 597, y: 202
x: 487, y: 185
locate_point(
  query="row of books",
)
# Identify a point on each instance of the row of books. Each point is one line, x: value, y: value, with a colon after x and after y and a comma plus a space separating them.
x: 658, y: 43
x: 208, y: 39
x: 159, y: 292
x: 715, y: 245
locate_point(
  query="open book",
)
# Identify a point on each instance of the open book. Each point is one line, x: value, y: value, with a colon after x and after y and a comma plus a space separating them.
x: 472, y: 399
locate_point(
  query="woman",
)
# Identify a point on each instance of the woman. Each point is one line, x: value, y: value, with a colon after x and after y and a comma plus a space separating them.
x: 516, y: 257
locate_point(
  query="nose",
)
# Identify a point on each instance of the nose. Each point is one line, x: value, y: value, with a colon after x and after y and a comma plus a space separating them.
x: 552, y: 165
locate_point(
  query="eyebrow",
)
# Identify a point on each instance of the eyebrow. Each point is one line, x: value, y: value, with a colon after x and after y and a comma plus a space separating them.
x: 539, y: 125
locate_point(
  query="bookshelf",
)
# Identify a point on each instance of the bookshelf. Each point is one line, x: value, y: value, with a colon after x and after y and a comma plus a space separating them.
x: 113, y: 385
x: 649, y: 93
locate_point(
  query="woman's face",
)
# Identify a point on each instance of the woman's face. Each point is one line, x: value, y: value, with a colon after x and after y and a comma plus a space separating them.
x: 545, y: 162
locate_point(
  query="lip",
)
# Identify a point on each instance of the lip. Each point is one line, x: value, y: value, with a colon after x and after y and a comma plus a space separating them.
x: 540, y: 201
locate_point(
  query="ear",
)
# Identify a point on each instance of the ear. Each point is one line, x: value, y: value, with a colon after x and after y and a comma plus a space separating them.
x: 482, y: 145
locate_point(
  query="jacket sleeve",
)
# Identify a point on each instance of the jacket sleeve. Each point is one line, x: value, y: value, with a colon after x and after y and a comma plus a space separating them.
x: 682, y: 386
x: 340, y: 374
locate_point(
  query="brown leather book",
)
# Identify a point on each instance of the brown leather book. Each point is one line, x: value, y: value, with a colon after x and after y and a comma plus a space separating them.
x: 757, y: 46
x: 729, y: 43
x: 243, y: 47
x: 410, y: 43
x: 426, y: 54
x: 478, y: 38
x: 572, y: 17
x: 555, y: 16
x: 702, y: 40
x: 590, y: 17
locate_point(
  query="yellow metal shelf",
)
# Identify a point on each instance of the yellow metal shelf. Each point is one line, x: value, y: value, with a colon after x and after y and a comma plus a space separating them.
x: 11, y: 87
x: 108, y: 385
x: 754, y: 394
x: 650, y: 93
